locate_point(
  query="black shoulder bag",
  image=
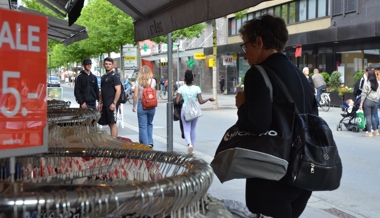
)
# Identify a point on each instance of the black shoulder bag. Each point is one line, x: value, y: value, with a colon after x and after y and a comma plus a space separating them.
x: 314, y: 162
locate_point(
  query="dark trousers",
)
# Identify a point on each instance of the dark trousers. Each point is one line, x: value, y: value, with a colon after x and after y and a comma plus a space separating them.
x: 275, y: 199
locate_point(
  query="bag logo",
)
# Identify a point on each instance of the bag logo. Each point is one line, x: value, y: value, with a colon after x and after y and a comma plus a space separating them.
x: 229, y: 135
x: 326, y: 156
x: 150, y: 96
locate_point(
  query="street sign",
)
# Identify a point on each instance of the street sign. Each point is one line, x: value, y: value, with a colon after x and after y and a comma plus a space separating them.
x: 23, y: 109
x: 199, y: 55
x: 130, y: 57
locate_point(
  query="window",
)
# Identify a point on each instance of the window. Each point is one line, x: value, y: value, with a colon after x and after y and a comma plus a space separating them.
x: 322, y: 6
x: 302, y: 10
x: 292, y: 12
x: 277, y: 11
x: 233, y: 26
x: 351, y: 6
x: 337, y: 7
x: 284, y: 15
x: 312, y: 9
x: 270, y: 11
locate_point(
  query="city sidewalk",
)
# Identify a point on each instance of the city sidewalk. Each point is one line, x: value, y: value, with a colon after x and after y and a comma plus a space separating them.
x: 236, y: 188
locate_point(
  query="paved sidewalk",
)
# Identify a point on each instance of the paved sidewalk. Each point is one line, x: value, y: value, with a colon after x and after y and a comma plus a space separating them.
x: 235, y: 187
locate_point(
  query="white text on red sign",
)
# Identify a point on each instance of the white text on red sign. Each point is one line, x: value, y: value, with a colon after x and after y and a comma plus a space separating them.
x: 15, y: 42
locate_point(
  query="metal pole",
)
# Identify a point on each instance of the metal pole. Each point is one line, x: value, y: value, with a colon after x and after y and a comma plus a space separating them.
x: 178, y: 65
x: 169, y: 106
x: 49, y: 67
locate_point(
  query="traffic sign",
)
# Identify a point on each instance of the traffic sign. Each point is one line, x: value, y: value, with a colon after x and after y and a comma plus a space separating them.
x: 23, y: 110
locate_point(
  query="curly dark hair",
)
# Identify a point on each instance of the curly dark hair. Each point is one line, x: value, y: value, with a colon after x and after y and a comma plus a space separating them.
x: 271, y: 29
x: 189, y: 77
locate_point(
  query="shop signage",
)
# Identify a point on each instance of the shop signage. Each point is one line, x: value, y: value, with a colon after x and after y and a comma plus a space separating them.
x: 199, y: 55
x: 23, y: 109
x: 227, y: 60
x: 211, y: 62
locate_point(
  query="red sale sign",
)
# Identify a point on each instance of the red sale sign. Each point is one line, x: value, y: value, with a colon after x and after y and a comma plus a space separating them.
x: 23, y: 110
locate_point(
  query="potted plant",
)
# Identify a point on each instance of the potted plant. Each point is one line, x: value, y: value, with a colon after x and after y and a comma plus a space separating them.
x: 334, y: 83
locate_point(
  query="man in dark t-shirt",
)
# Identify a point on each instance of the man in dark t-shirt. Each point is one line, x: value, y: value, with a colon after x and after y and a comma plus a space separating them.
x: 110, y: 91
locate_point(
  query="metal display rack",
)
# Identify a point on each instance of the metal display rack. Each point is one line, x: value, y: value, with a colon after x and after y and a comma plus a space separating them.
x: 87, y: 173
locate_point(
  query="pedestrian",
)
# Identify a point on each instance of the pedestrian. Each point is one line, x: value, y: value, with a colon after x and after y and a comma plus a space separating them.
x: 190, y: 91
x: 221, y: 84
x: 376, y: 115
x: 144, y: 117
x: 86, y: 89
x: 127, y: 86
x: 305, y: 72
x: 369, y: 99
x: 319, y: 83
x: 110, y: 91
x: 162, y: 83
x: 264, y: 40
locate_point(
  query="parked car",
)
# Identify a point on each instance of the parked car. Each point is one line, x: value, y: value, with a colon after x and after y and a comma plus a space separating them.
x: 53, y: 81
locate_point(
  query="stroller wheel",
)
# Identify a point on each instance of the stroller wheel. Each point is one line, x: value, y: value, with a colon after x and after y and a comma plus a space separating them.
x: 355, y: 129
x: 338, y: 128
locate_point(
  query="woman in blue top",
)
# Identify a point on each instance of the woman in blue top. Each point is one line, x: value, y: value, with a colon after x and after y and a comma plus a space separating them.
x: 190, y: 91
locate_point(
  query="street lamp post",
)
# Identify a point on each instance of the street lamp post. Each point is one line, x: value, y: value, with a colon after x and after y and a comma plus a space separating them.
x: 49, y: 66
x: 178, y: 66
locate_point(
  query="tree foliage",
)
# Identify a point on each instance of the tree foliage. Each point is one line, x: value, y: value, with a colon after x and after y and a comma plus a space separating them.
x: 108, y: 28
x: 185, y: 33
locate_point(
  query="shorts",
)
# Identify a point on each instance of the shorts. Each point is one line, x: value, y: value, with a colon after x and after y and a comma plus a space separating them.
x: 107, y: 116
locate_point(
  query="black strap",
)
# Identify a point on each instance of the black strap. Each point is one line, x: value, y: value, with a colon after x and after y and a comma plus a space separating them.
x: 283, y: 88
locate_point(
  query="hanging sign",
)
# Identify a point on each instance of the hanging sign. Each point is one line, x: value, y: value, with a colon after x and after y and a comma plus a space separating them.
x: 23, y: 109
x: 199, y: 55
x: 211, y: 62
x: 228, y: 60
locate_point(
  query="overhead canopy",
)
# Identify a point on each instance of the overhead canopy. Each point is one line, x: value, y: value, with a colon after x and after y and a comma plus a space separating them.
x: 59, y: 30
x: 158, y: 17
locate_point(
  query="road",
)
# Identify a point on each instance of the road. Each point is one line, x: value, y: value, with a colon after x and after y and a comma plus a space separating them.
x: 359, y: 193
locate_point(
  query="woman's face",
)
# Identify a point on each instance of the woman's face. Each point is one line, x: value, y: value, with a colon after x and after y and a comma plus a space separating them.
x: 253, y: 51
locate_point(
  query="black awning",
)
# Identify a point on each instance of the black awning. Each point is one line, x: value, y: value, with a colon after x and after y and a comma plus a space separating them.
x: 59, y: 30
x: 157, y: 17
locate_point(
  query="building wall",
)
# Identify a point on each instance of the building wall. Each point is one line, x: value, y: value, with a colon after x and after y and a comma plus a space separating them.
x: 367, y: 11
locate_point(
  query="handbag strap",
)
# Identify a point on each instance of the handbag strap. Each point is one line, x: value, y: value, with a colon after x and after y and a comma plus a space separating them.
x: 279, y: 83
x: 266, y: 79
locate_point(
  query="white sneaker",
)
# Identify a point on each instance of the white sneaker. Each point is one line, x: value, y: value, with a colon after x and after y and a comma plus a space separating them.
x: 190, y: 149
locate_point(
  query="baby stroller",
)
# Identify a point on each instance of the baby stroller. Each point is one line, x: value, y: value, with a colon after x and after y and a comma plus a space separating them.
x: 349, y: 115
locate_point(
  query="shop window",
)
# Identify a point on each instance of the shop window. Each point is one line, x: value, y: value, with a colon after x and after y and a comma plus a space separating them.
x: 351, y: 6
x: 337, y: 7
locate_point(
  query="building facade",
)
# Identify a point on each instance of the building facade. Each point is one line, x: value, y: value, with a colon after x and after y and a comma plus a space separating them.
x: 332, y: 35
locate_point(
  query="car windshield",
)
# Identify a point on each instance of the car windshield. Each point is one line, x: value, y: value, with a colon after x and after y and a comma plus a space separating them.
x: 53, y: 78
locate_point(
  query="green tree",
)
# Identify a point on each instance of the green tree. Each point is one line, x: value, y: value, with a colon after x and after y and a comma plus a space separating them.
x: 185, y: 33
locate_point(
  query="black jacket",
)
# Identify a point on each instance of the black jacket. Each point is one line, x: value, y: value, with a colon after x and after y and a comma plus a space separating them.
x: 255, y: 114
x: 86, y: 88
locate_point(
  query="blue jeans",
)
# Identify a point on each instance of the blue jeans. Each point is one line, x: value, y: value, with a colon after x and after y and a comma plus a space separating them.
x: 319, y: 92
x: 376, y: 115
x: 145, y: 119
x: 369, y: 108
x: 189, y: 128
